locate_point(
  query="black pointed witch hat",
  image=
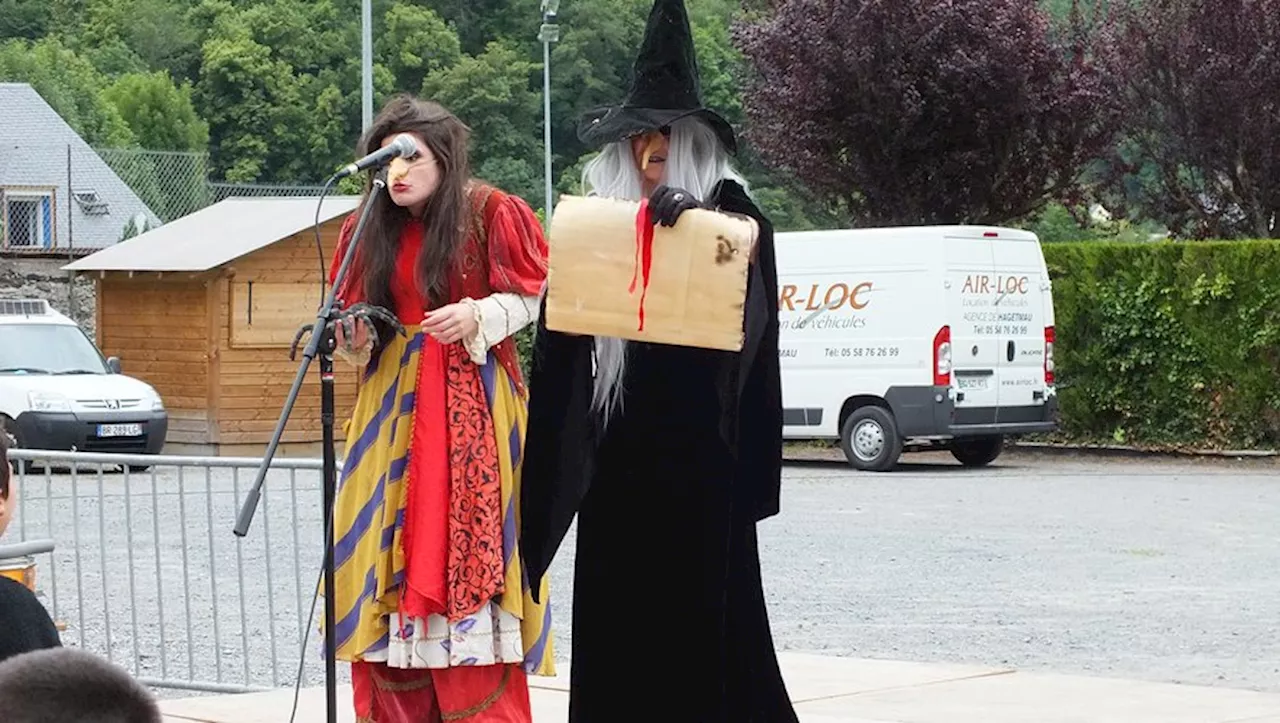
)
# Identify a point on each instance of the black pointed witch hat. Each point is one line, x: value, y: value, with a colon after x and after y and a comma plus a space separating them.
x: 664, y: 88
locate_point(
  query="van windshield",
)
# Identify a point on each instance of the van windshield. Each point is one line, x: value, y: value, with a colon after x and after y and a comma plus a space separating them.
x: 48, y: 349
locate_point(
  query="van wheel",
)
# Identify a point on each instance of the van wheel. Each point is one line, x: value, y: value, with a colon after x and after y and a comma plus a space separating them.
x: 870, y: 439
x: 977, y: 452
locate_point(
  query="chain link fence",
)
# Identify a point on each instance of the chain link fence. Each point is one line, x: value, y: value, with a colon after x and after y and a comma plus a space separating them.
x: 175, y: 184
x: 70, y: 198
x: 171, y: 184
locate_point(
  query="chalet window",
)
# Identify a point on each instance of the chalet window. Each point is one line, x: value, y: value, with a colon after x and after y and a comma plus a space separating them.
x: 28, y: 219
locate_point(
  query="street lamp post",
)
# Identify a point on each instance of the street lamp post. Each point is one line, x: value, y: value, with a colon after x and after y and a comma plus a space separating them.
x: 366, y: 65
x: 548, y: 34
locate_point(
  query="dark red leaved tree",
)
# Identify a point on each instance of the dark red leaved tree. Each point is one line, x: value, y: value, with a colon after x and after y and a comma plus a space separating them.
x: 926, y: 111
x: 1201, y: 83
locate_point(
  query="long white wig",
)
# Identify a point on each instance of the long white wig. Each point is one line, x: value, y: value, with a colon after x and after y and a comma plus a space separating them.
x: 696, y: 162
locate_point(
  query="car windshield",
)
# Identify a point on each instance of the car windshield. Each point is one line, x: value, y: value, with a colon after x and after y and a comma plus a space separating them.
x: 48, y: 349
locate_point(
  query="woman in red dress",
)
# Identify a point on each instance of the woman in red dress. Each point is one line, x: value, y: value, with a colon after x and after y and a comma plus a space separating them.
x: 433, y: 609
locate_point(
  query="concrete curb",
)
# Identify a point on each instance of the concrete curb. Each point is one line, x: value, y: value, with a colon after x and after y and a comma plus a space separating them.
x: 1124, y: 450
x: 802, y: 455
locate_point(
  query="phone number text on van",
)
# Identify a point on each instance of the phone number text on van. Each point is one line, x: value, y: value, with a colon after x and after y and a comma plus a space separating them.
x: 1002, y: 329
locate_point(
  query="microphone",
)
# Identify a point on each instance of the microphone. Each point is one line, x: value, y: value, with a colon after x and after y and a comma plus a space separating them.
x: 402, y: 147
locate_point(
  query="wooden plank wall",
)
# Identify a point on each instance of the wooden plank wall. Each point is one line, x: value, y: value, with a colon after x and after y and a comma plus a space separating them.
x: 264, y: 314
x: 255, y: 373
x: 158, y: 326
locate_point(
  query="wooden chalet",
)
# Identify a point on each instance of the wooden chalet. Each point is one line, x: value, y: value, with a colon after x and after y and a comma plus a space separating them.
x: 205, y: 308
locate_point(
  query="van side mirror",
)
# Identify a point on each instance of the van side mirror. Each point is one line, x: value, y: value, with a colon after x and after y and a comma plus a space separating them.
x: 113, y: 363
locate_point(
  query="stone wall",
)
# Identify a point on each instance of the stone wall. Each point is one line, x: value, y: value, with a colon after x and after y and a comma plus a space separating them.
x: 42, y: 278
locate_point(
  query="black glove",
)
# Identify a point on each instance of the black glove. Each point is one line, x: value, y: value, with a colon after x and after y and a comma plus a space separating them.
x: 667, y: 203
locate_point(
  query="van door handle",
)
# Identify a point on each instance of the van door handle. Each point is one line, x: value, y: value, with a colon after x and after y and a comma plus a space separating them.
x: 1009, y: 351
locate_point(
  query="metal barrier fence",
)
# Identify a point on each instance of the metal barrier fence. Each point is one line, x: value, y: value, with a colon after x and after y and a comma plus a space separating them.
x: 147, y: 572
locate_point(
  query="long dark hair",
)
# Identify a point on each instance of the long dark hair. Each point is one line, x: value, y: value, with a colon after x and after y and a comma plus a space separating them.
x: 445, y: 215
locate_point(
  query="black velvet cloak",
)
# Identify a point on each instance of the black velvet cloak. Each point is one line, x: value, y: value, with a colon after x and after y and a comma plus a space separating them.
x: 669, y: 618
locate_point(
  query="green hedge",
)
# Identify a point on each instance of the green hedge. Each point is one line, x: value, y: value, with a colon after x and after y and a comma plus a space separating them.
x: 1170, y: 344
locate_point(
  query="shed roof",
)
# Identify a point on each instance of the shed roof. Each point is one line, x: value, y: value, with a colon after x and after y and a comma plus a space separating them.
x: 216, y: 235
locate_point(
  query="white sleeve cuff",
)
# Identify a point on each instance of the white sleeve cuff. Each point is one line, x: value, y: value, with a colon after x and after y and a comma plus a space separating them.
x: 498, y: 316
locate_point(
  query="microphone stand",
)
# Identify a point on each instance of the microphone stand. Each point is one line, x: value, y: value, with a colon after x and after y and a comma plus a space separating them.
x: 322, y: 344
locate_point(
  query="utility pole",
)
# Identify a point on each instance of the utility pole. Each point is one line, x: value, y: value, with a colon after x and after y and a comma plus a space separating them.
x: 548, y: 34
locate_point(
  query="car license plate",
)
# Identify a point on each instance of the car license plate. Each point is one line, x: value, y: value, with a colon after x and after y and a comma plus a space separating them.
x: 975, y: 384
x: 119, y: 430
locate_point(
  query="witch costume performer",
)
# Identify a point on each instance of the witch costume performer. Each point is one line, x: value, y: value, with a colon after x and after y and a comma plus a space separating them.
x: 434, y: 611
x: 668, y: 455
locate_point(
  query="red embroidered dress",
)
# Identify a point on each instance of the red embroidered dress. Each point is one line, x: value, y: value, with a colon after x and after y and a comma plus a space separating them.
x: 433, y: 609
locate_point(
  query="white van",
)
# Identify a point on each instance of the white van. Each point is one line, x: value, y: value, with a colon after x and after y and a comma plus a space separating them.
x: 915, y: 338
x: 57, y: 392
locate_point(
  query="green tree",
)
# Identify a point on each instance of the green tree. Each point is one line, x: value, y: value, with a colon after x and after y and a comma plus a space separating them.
x: 278, y: 89
x: 138, y: 35
x: 160, y: 114
x: 414, y: 42
x: 590, y: 65
x: 64, y: 16
x: 171, y: 177
x: 720, y: 70
x: 70, y: 84
x: 27, y: 19
x: 480, y: 22
x: 272, y: 87
x: 240, y: 90
x: 493, y: 94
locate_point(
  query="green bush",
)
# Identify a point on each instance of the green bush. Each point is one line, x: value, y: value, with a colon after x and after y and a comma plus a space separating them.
x: 524, y: 347
x: 1168, y: 345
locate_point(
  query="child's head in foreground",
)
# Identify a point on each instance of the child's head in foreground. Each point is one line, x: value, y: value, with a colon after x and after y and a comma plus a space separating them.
x: 67, y: 685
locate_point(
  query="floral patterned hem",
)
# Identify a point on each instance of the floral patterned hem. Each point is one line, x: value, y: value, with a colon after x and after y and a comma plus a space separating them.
x: 489, y: 637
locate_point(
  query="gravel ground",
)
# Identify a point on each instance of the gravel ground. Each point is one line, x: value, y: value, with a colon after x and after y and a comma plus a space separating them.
x: 1155, y: 569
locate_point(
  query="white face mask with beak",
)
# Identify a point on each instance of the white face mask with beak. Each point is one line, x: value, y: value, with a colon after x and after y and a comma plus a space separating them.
x: 650, y: 152
x: 410, y: 182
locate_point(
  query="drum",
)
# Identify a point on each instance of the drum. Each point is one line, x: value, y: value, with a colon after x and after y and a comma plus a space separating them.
x: 21, y: 569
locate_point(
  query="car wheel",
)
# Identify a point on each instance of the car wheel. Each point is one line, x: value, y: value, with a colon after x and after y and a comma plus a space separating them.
x: 870, y: 439
x: 977, y: 452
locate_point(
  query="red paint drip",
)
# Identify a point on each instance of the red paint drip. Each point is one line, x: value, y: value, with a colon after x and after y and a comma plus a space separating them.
x: 640, y: 219
x: 644, y: 255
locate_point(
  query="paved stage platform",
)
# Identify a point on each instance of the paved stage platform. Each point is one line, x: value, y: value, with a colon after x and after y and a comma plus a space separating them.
x: 851, y: 690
